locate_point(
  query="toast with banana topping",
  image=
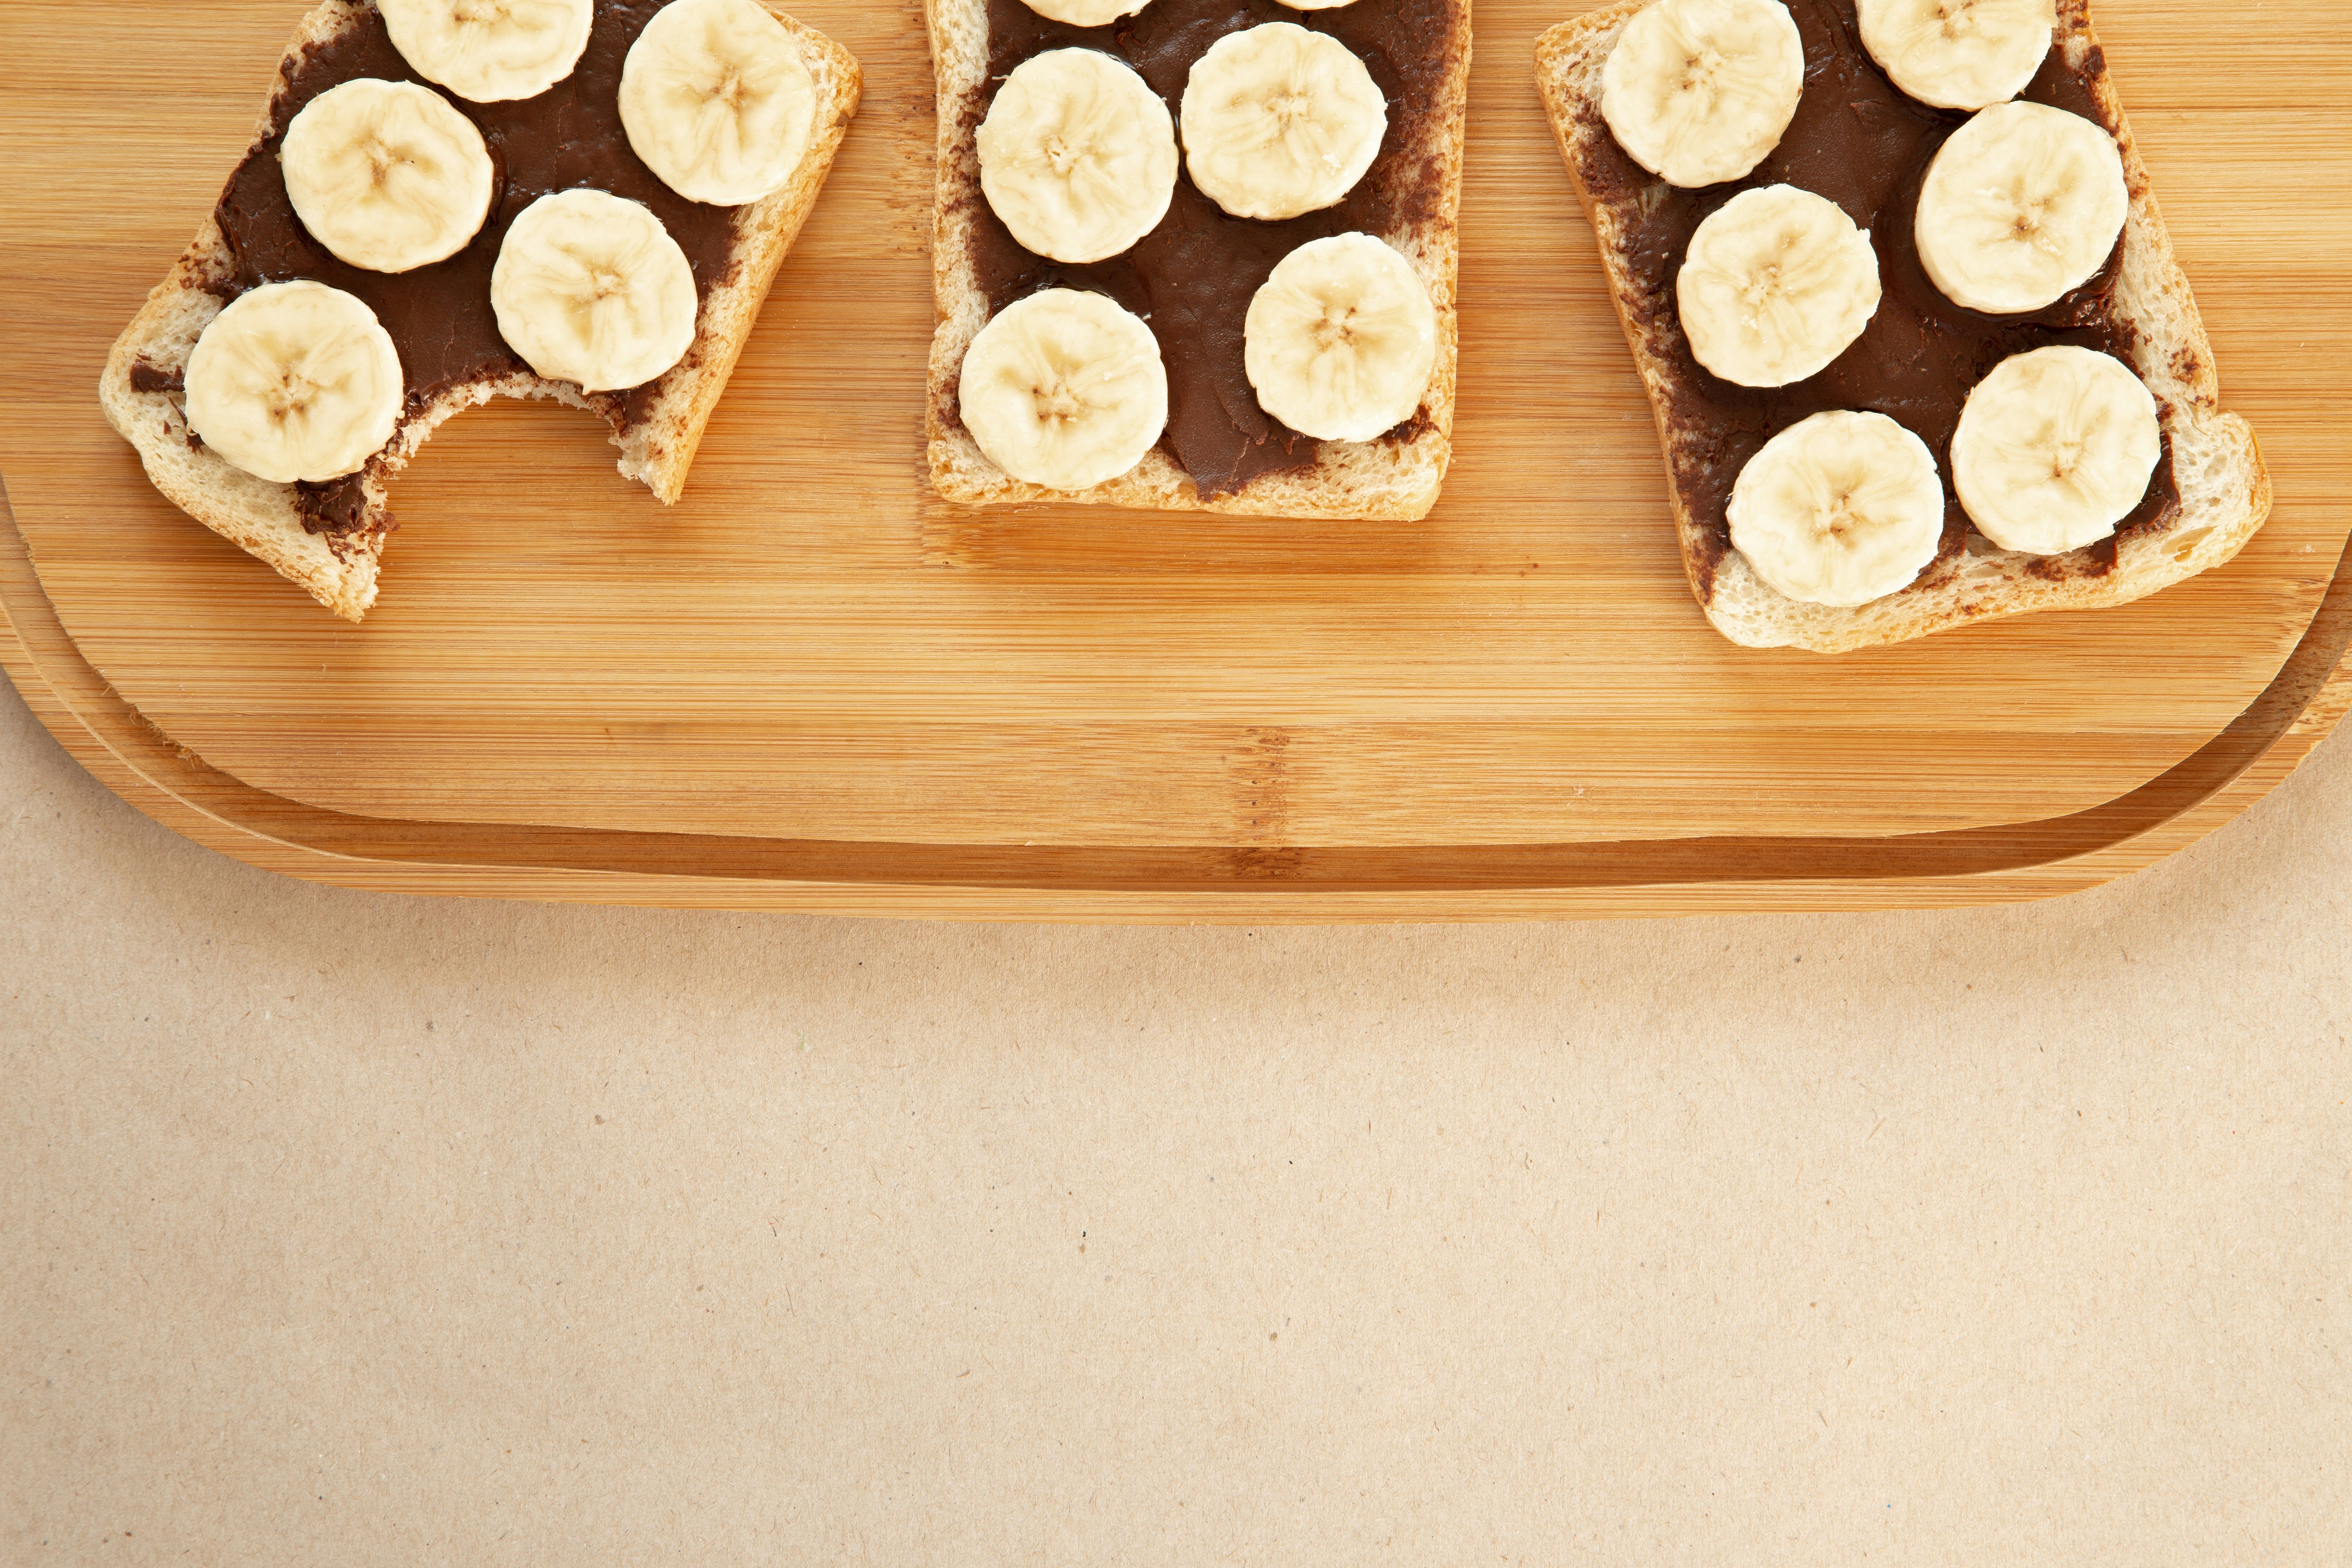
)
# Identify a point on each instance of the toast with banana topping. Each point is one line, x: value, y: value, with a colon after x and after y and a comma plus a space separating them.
x: 1197, y: 256
x: 1896, y: 281
x: 580, y: 200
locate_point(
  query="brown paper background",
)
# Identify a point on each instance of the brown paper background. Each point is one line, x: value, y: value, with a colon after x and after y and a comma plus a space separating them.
x: 340, y: 1229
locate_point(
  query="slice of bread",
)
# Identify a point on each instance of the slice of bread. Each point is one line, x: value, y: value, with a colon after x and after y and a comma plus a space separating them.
x: 140, y: 393
x: 1397, y: 476
x: 2225, y: 493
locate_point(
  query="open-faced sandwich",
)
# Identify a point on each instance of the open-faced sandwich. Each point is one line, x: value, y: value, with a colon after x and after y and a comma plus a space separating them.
x: 583, y: 200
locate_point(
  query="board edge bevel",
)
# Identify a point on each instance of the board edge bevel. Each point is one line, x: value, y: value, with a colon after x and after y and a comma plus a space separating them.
x: 1253, y: 885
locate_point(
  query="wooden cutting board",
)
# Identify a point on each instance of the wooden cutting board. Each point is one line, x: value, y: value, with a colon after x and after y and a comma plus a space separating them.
x: 812, y: 685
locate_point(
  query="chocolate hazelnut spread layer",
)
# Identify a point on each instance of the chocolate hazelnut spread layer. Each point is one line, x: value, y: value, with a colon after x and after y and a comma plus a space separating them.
x: 1862, y: 142
x: 1192, y: 278
x: 439, y: 316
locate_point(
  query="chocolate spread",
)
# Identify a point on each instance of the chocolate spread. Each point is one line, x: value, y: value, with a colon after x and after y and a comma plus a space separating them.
x: 1860, y: 140
x: 1192, y: 279
x: 439, y: 316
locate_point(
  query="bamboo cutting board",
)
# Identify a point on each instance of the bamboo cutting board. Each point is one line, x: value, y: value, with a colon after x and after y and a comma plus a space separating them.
x: 813, y: 686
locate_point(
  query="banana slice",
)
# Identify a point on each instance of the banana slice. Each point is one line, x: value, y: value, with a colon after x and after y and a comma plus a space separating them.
x: 2054, y: 449
x: 1778, y: 283
x: 1279, y: 120
x: 387, y: 176
x: 1841, y: 510
x: 2021, y: 207
x: 716, y: 100
x: 1065, y: 389
x: 590, y: 287
x: 490, y: 51
x: 295, y: 381
x: 1341, y: 339
x: 1077, y: 155
x: 1959, y: 54
x: 1698, y: 91
x: 1086, y: 13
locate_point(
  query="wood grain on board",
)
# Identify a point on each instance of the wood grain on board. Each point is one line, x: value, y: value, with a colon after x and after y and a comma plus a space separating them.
x: 811, y: 648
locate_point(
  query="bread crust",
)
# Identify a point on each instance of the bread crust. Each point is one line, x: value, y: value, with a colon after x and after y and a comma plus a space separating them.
x: 1360, y: 479
x: 341, y: 571
x: 2225, y: 492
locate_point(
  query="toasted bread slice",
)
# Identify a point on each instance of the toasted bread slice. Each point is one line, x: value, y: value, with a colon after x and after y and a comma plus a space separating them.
x: 1397, y: 476
x: 139, y: 388
x: 2224, y: 491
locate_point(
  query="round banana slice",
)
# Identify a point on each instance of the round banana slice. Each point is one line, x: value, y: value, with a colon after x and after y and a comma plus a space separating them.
x: 2054, y: 449
x: 490, y: 51
x: 1341, y: 339
x: 1279, y: 120
x: 1086, y: 12
x: 590, y: 287
x: 1959, y: 54
x: 718, y: 101
x: 1077, y: 155
x: 387, y: 176
x: 1065, y: 389
x: 295, y: 381
x: 1841, y: 510
x: 2021, y: 208
x: 1698, y: 91
x: 1778, y: 283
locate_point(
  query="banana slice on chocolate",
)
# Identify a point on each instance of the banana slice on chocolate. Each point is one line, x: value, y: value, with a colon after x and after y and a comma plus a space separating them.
x: 1959, y: 54
x: 590, y: 287
x: 295, y: 381
x: 1279, y: 120
x: 1341, y: 339
x: 1842, y: 509
x: 387, y: 176
x: 1086, y: 12
x: 2021, y: 208
x: 1077, y: 155
x: 718, y: 101
x: 2055, y: 448
x: 490, y: 51
x: 1777, y: 282
x: 1065, y: 389
x: 1700, y: 92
